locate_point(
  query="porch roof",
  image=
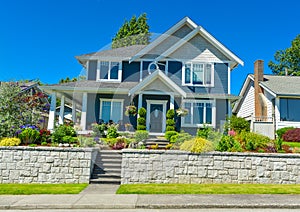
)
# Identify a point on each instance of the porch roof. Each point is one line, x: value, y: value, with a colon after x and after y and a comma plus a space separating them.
x: 158, y: 74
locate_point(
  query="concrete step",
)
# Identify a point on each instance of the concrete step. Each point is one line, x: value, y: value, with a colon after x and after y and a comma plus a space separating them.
x: 106, y: 181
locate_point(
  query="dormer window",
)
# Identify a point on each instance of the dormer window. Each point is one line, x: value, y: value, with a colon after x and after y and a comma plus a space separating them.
x: 110, y: 71
x: 198, y: 74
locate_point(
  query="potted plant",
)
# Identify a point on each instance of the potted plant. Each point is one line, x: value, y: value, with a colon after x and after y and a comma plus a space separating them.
x: 182, y: 112
x: 130, y: 110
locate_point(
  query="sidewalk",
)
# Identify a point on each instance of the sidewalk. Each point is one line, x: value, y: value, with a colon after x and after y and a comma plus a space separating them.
x: 91, y: 198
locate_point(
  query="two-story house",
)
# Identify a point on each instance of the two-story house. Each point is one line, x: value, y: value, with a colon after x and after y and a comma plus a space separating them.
x: 186, y: 67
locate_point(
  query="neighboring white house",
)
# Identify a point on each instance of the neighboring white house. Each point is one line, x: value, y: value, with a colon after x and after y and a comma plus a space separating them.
x: 269, y: 99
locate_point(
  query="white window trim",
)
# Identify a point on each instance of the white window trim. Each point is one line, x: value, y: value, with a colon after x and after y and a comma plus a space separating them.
x: 109, y: 69
x: 111, y: 100
x: 213, y: 115
x: 204, y: 65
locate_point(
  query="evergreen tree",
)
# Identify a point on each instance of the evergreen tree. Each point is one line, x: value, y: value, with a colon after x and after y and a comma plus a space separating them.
x: 133, y: 32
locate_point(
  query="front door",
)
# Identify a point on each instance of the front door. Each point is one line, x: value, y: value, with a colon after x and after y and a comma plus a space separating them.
x: 156, y: 117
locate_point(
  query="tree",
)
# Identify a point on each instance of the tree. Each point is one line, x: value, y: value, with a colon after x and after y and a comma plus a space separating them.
x: 287, y: 60
x: 133, y: 32
x: 18, y: 108
x: 74, y: 79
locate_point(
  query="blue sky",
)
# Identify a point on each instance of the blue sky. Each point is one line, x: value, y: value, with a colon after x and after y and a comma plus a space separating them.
x: 39, y: 38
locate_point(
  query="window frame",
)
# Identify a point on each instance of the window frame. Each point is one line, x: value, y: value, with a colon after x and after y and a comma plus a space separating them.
x: 111, y: 109
x: 191, y: 83
x: 213, y: 113
x: 109, y: 71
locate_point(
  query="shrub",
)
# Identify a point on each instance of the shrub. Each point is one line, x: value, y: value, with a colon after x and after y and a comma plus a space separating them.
x: 237, y: 124
x: 87, y: 141
x: 252, y: 141
x: 142, y: 112
x: 292, y: 135
x: 197, y: 145
x: 45, y: 136
x: 62, y: 131
x: 229, y: 144
x: 282, y: 131
x: 170, y: 123
x: 141, y: 135
x: 214, y: 137
x: 98, y: 129
x: 141, y: 125
x: 169, y: 134
x: 10, y: 142
x: 112, y: 131
x: 69, y: 139
x: 120, y: 143
x: 29, y: 135
x: 203, y: 132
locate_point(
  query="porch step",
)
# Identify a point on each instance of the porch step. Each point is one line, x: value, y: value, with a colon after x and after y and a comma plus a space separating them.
x: 107, y: 167
x: 162, y: 143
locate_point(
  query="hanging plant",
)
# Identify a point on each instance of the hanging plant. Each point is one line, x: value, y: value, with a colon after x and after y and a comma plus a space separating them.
x: 130, y: 110
x: 182, y: 112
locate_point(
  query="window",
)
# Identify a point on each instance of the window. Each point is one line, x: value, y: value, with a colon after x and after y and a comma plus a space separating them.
x: 110, y: 70
x: 200, y: 112
x: 111, y: 109
x: 289, y: 109
x: 200, y: 74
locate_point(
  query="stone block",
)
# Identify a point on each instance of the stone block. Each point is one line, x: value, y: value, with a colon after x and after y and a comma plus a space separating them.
x: 49, y: 159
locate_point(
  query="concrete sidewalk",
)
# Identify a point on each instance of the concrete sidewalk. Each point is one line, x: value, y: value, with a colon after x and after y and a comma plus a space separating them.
x: 103, y: 197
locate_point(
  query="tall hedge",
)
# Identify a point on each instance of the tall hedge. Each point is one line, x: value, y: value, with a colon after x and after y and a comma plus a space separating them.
x: 141, y: 125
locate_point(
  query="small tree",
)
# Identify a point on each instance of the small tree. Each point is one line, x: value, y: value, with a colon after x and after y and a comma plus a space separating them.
x: 141, y: 125
x: 237, y: 124
x: 170, y: 123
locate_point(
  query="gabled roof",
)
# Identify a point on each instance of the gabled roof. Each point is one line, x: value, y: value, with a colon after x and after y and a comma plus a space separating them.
x: 158, y: 74
x: 196, y: 30
x: 164, y: 36
x: 277, y: 86
x: 117, y: 54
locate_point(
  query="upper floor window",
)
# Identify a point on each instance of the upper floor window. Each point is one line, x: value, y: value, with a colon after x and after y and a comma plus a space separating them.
x: 198, y: 74
x: 110, y: 70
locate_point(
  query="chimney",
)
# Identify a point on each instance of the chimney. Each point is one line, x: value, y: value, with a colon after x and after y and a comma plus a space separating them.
x: 260, y: 107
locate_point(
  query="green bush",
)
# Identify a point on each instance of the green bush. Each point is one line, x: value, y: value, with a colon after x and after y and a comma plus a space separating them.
x: 180, y: 138
x: 282, y: 131
x: 141, y: 135
x: 69, y: 139
x: 86, y: 141
x: 142, y: 112
x: 62, y: 131
x: 29, y: 136
x: 214, y: 137
x: 170, y: 114
x: 98, y: 130
x: 170, y: 123
x: 197, y: 145
x: 10, y: 142
x: 141, y: 125
x: 237, y: 124
x: 169, y: 134
x: 229, y: 144
x: 203, y: 132
x: 252, y: 141
x: 112, y: 131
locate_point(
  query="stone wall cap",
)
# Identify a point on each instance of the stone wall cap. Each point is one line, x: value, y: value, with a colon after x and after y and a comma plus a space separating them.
x: 42, y: 148
x: 215, y: 153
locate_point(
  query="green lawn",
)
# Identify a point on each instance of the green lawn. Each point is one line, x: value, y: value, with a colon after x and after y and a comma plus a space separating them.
x: 17, y: 189
x: 208, y: 189
x: 292, y: 144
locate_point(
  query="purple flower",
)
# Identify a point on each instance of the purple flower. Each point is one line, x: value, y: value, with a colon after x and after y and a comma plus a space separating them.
x: 96, y: 139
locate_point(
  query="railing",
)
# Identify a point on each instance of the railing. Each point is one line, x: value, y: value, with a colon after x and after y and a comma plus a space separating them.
x: 263, y: 119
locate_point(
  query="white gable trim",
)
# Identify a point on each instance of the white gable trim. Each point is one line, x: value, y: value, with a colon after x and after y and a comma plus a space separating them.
x: 207, y: 36
x: 164, y: 36
x: 242, y: 93
x: 155, y: 75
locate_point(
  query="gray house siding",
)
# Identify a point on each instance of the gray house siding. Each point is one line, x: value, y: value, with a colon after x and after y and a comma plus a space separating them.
x: 130, y: 72
x: 92, y: 70
x: 221, y: 111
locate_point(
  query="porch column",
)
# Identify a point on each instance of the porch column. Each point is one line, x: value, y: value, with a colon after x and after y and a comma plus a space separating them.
x: 229, y: 112
x: 140, y: 102
x: 83, y: 112
x: 74, y: 111
x: 171, y: 101
x: 51, y: 119
x: 62, y: 110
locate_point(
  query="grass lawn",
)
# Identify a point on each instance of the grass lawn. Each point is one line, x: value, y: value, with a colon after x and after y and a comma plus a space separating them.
x: 292, y: 144
x: 208, y: 189
x: 17, y: 189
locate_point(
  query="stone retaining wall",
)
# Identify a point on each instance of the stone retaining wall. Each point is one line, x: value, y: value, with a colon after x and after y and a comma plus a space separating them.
x: 46, y: 164
x: 153, y: 166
